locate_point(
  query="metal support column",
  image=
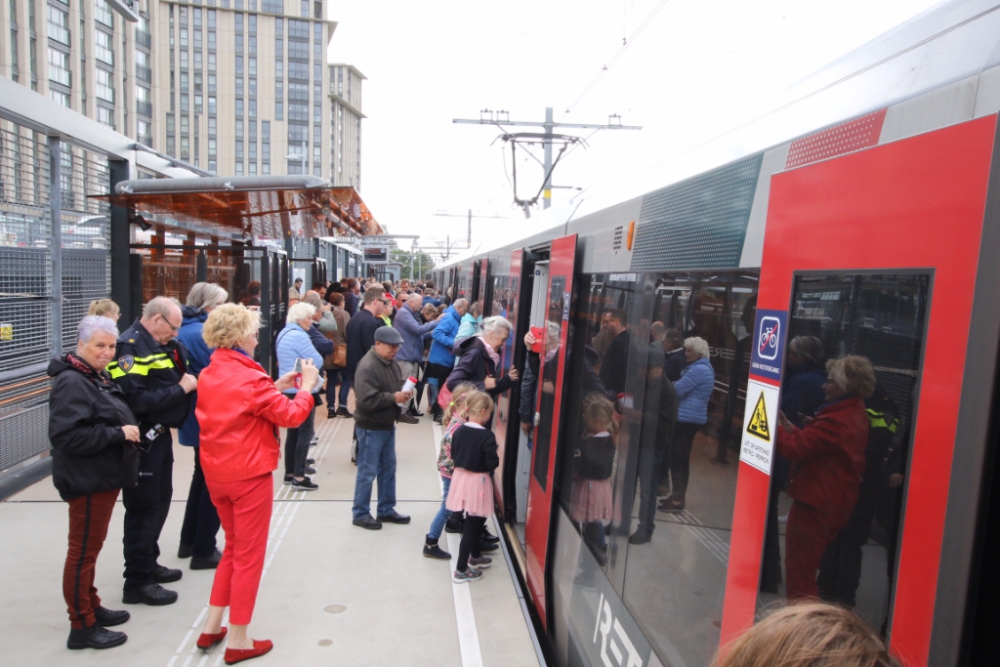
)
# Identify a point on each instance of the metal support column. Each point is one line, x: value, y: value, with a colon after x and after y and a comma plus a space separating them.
x: 547, y: 167
x: 55, y: 214
x: 121, y: 238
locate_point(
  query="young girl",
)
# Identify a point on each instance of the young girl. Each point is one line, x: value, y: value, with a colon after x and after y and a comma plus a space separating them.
x: 454, y: 417
x: 590, y: 500
x: 474, y: 451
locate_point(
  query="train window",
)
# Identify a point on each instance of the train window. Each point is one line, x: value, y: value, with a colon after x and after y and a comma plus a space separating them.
x: 557, y: 301
x: 834, y: 517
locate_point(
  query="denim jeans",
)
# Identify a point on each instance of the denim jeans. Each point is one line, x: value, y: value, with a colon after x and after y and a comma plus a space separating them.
x: 650, y: 461
x: 201, y: 520
x: 297, y: 446
x: 437, y: 525
x: 376, y: 459
x: 333, y: 376
x: 345, y: 389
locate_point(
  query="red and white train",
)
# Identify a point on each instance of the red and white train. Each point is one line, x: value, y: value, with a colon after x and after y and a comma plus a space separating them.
x: 867, y: 214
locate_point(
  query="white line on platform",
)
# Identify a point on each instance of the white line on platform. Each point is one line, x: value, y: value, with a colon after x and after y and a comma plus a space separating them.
x: 465, y: 617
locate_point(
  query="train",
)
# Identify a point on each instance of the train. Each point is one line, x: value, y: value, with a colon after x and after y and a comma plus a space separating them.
x: 863, y: 211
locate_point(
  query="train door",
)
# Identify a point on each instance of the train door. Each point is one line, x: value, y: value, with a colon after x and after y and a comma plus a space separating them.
x: 855, y: 262
x: 562, y: 261
x: 508, y: 419
x: 474, y: 291
x: 485, y: 291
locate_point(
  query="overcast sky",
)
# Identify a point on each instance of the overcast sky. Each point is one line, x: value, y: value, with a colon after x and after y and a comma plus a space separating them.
x: 692, y: 70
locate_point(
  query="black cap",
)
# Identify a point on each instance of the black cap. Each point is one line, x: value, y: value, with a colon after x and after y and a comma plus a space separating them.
x: 388, y: 335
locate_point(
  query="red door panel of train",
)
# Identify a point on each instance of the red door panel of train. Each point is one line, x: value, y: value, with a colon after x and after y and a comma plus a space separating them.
x: 912, y: 207
x: 504, y: 407
x: 562, y: 259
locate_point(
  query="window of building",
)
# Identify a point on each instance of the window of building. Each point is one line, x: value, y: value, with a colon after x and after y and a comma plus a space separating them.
x: 265, y: 168
x: 252, y: 46
x: 253, y: 66
x: 184, y: 38
x: 253, y: 150
x: 171, y: 145
x: 105, y: 88
x: 252, y: 108
x: 143, y: 134
x: 298, y: 50
x: 211, y: 18
x: 273, y: 6
x: 253, y: 24
x: 253, y: 87
x: 239, y: 85
x: 59, y: 97
x: 104, y: 47
x: 304, y: 9
x: 213, y: 166
x: 212, y: 85
x: 185, y: 82
x: 102, y: 13
x: 58, y: 28
x: 185, y: 60
x: 239, y: 108
x: 239, y: 22
x: 182, y: 12
x: 265, y: 151
x: 211, y: 61
x: 198, y: 107
x: 197, y: 38
x: 239, y: 168
x: 59, y: 67
x: 212, y: 105
x: 196, y: 16
x: 185, y: 148
x: 213, y: 145
x: 211, y: 40
x: 279, y: 69
x: 171, y: 122
x: 185, y: 125
x: 252, y: 130
x: 239, y: 149
x: 185, y: 103
x: 298, y: 29
x: 253, y: 169
x: 279, y: 110
x: 197, y: 60
x: 239, y: 43
x: 239, y: 64
x: 105, y: 116
x: 213, y: 125
x: 141, y: 94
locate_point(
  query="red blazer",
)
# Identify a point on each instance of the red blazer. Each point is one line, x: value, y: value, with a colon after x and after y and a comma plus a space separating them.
x: 240, y: 410
x: 828, y: 457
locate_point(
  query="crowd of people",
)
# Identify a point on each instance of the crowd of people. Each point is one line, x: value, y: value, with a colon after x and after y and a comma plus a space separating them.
x: 376, y: 348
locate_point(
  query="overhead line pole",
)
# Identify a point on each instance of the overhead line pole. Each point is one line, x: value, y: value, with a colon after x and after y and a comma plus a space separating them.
x: 548, y: 125
x: 470, y: 217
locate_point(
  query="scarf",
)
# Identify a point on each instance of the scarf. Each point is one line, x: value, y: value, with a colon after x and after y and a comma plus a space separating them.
x: 493, y: 355
x: 100, y: 379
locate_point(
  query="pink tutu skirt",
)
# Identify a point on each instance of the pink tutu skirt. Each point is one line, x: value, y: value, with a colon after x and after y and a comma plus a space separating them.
x: 590, y: 500
x: 471, y: 492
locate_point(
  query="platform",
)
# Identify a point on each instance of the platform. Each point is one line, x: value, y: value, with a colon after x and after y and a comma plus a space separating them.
x: 332, y: 593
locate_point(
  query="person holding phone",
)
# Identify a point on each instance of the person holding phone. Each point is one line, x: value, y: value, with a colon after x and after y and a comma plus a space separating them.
x: 240, y: 413
x: 94, y: 437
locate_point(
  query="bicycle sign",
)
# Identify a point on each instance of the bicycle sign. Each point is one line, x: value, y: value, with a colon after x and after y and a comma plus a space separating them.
x: 769, y: 344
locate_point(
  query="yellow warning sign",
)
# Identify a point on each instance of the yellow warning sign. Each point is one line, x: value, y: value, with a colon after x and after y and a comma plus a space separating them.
x: 6, y: 331
x: 758, y: 425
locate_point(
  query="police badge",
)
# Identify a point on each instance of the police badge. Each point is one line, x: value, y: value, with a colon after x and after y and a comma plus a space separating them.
x: 125, y: 363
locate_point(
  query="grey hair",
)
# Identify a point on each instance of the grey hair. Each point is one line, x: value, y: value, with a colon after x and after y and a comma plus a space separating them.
x: 300, y: 311
x: 807, y: 348
x: 205, y: 296
x: 461, y: 303
x: 698, y: 345
x: 160, y: 305
x: 414, y: 297
x: 475, y: 309
x: 492, y: 324
x: 91, y: 324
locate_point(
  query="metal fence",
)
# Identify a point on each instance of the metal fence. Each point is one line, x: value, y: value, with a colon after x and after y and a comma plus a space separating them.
x: 37, y: 320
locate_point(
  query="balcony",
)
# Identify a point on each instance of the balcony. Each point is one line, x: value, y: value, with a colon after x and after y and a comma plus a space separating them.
x: 144, y: 73
x: 144, y: 109
x: 144, y: 38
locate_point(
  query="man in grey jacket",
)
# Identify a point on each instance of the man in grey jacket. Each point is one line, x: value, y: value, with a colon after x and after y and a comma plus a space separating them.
x: 378, y: 384
x: 414, y: 334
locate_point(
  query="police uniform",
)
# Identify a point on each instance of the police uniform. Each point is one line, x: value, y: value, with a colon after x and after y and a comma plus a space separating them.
x: 149, y: 373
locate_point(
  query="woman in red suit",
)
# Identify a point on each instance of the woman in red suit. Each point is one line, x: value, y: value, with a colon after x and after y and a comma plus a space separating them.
x: 239, y: 452
x: 828, y: 460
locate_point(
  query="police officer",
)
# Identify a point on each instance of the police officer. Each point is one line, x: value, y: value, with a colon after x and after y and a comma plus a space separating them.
x: 151, y: 368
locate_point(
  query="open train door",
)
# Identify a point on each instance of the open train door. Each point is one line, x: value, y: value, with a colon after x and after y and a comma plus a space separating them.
x: 889, y: 253
x: 562, y: 260
x: 507, y: 410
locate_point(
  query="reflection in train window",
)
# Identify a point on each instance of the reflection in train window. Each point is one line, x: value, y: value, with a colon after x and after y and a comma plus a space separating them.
x: 668, y: 566
x: 834, y: 512
x: 548, y: 367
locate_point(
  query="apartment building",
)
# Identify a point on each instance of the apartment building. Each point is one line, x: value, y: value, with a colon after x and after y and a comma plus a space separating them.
x: 235, y: 87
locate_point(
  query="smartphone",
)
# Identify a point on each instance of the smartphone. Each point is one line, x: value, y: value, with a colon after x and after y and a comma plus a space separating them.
x: 539, y: 333
x: 298, y: 370
x: 298, y: 366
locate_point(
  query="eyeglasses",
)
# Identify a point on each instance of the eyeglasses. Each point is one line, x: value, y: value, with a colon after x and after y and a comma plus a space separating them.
x: 172, y: 327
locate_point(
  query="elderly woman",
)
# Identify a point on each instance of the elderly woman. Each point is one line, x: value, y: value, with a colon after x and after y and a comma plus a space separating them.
x: 93, y: 435
x: 828, y: 460
x: 693, y: 391
x: 201, y: 521
x: 294, y: 343
x: 479, y: 356
x: 239, y: 417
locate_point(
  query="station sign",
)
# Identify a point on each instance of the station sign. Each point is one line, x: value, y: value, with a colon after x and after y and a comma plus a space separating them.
x: 377, y: 254
x: 760, y: 426
x: 769, y: 344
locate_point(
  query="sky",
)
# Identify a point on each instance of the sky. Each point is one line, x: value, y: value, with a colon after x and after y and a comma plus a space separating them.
x: 689, y: 71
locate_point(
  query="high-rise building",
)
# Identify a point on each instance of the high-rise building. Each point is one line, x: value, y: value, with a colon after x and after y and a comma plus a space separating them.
x: 237, y: 87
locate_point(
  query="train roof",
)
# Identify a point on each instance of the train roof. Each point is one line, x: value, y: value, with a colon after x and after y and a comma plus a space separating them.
x: 947, y: 43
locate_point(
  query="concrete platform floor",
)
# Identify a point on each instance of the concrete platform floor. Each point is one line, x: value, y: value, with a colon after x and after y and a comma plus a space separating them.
x: 332, y: 593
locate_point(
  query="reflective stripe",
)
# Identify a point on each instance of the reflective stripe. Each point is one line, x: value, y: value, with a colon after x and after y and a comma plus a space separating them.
x: 142, y: 365
x: 877, y: 420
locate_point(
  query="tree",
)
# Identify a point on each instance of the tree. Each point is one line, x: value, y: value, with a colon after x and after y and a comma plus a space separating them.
x: 421, y: 263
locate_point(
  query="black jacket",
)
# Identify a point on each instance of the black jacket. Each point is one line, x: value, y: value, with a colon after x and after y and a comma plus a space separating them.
x: 149, y: 374
x: 615, y: 364
x: 474, y: 365
x: 474, y: 449
x: 89, y: 452
x: 360, y: 337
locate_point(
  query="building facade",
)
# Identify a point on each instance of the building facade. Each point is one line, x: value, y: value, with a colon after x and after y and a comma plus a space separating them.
x: 235, y: 87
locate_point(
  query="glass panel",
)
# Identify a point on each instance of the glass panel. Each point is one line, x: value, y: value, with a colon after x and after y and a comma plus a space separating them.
x: 547, y: 374
x: 855, y: 493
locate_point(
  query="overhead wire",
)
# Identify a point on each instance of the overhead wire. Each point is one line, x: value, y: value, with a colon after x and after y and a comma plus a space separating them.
x: 627, y: 42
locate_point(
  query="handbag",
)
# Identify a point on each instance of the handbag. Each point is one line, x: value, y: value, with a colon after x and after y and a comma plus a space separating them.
x: 445, y: 394
x: 338, y: 358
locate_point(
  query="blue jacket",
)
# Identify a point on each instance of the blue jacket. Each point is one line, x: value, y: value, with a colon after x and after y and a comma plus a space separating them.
x: 322, y: 344
x: 802, y: 391
x: 468, y: 327
x: 294, y: 343
x: 444, y: 338
x: 413, y: 333
x: 199, y: 354
x: 693, y: 390
x: 431, y: 300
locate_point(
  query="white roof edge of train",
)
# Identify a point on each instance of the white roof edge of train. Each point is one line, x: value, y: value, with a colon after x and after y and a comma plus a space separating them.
x: 948, y: 42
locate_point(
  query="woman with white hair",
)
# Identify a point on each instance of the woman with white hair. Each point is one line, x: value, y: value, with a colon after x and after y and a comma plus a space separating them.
x: 479, y: 357
x: 294, y: 343
x: 94, y: 436
x: 201, y: 520
x: 694, y: 389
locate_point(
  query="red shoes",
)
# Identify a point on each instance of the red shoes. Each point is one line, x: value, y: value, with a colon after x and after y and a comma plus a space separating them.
x: 260, y: 647
x: 206, y: 642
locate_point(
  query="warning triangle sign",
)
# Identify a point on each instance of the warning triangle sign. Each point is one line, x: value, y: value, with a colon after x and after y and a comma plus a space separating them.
x: 758, y: 425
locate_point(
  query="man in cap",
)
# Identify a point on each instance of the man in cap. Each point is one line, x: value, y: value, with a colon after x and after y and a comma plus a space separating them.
x: 378, y: 384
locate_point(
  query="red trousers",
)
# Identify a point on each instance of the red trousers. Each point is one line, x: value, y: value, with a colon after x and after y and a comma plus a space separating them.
x: 245, y: 511
x: 808, y: 532
x: 89, y: 517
